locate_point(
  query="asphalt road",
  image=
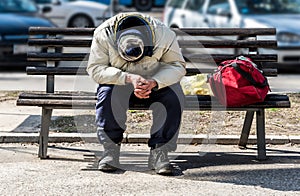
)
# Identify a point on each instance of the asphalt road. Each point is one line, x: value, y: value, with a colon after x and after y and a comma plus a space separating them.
x: 19, y: 81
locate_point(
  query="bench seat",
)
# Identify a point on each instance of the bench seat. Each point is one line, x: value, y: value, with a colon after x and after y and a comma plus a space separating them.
x: 80, y: 100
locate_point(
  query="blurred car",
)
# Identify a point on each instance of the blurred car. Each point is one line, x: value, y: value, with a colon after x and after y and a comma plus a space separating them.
x: 140, y: 5
x: 16, y: 16
x: 284, y: 15
x: 74, y: 13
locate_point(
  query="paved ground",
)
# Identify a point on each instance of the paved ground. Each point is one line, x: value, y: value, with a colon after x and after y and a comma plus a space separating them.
x: 207, y: 170
x: 71, y: 168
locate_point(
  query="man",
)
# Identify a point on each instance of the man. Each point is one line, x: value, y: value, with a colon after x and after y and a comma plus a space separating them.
x: 136, y: 59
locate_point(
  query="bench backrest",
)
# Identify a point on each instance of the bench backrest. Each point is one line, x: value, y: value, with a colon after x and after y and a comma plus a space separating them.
x: 75, y: 44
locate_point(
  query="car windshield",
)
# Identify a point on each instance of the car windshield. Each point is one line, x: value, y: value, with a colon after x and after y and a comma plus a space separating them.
x: 268, y: 6
x: 9, y: 6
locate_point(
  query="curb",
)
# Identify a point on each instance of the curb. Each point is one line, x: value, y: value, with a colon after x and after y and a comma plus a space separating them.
x: 143, y: 138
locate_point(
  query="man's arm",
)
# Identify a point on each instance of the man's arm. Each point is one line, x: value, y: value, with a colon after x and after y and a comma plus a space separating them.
x: 172, y: 64
x: 99, y: 65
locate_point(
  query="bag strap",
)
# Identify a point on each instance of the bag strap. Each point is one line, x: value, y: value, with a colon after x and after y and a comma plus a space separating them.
x: 213, y: 85
x: 248, y: 76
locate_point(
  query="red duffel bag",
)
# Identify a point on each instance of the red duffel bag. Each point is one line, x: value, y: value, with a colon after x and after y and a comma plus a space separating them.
x: 238, y: 82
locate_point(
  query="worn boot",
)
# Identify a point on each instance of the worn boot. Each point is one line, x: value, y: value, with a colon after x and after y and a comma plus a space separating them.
x: 110, y: 159
x: 159, y: 161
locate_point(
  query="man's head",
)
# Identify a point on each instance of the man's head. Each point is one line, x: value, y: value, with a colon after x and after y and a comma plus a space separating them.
x: 134, y: 38
x: 131, y: 45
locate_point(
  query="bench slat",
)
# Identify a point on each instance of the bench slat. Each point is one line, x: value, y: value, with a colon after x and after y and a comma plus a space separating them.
x: 60, y: 42
x: 36, y: 56
x: 192, y: 102
x: 195, y: 58
x: 202, y: 58
x: 82, y: 71
x: 204, y: 105
x: 244, y: 32
x: 92, y: 96
x: 56, y: 71
x: 178, y: 31
x: 227, y: 43
x: 60, y: 31
x: 182, y: 43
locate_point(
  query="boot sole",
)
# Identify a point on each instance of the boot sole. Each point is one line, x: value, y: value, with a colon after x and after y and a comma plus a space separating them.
x: 164, y: 171
x: 107, y: 168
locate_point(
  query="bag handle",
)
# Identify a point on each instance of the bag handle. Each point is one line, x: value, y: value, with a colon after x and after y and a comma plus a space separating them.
x: 248, y: 76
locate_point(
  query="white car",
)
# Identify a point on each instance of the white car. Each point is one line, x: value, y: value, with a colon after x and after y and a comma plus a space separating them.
x: 284, y: 15
x: 74, y: 13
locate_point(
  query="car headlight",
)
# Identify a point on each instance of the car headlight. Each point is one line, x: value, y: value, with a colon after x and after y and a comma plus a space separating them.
x: 288, y: 37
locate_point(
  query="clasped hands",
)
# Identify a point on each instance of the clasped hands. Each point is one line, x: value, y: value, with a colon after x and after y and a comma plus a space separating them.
x: 142, y: 87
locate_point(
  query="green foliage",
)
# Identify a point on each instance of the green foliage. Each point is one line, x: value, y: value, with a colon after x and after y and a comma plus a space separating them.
x: 273, y: 109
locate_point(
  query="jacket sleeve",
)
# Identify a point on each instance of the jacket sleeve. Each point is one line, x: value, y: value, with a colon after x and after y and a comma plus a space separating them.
x: 99, y: 67
x: 172, y: 65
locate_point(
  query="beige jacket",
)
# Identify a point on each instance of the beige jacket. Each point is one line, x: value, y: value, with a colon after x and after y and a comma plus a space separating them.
x: 106, y: 66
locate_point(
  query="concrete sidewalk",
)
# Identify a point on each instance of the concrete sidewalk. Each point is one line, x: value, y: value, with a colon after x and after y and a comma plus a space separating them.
x: 206, y: 170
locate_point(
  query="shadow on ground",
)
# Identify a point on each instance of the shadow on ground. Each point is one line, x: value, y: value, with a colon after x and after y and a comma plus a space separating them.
x: 279, y: 172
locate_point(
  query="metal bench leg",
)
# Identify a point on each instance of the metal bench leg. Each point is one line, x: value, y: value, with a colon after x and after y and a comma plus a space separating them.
x: 44, y: 134
x: 261, y: 138
x: 246, y: 129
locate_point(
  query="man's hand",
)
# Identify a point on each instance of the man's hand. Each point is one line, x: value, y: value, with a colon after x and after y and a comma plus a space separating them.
x: 136, y: 80
x: 142, y: 87
x: 143, y: 91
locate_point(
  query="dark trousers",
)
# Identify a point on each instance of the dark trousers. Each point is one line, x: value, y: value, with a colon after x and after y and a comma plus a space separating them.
x: 113, y: 102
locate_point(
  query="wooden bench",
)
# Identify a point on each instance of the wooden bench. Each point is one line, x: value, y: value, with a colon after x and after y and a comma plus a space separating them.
x: 189, y: 38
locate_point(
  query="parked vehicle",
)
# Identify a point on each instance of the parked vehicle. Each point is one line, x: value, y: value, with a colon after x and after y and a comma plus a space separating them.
x: 16, y: 16
x: 284, y: 15
x: 140, y: 5
x: 74, y: 13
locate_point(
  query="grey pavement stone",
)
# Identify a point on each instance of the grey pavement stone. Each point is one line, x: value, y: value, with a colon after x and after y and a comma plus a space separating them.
x: 206, y: 170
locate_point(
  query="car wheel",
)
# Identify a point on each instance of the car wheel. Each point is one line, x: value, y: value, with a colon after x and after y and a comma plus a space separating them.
x: 143, y: 5
x: 81, y: 21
